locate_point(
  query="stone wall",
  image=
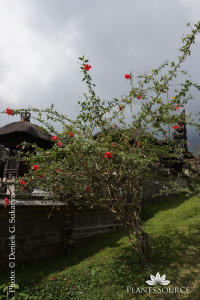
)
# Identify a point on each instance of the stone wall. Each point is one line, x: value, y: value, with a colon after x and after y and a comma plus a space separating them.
x: 37, y: 236
x: 156, y: 183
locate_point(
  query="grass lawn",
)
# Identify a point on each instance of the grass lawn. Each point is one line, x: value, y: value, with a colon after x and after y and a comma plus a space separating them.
x: 103, y: 267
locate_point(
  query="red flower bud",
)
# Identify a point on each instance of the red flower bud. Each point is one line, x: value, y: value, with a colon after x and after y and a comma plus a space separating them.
x: 87, y: 67
x: 127, y: 76
x: 108, y: 155
x: 6, y: 201
x: 70, y: 134
x: 22, y: 182
x: 36, y: 167
x: 9, y: 111
x: 54, y: 137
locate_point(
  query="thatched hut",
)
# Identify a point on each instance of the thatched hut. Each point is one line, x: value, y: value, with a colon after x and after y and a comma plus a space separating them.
x: 12, y: 135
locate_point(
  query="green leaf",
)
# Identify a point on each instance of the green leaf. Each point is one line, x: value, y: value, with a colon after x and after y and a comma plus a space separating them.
x: 2, y: 286
x: 23, y: 294
x: 16, y: 286
x: 5, y: 288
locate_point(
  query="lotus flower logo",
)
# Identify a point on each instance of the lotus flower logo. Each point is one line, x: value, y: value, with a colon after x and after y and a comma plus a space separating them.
x: 160, y: 280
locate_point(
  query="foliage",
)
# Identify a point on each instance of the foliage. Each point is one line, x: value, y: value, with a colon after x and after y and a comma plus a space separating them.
x: 112, y: 169
x: 5, y: 290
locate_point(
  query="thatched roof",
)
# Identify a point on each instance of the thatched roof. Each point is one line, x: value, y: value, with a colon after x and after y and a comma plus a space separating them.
x: 24, y: 131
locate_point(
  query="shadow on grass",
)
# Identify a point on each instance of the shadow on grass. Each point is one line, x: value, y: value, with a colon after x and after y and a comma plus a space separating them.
x: 177, y: 255
x: 32, y: 272
x: 167, y: 202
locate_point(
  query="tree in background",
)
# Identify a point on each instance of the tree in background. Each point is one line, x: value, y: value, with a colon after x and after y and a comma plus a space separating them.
x: 111, y: 169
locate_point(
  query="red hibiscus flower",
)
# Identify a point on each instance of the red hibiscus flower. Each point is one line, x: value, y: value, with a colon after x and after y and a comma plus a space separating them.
x: 120, y: 107
x: 70, y: 174
x: 70, y: 134
x: 6, y: 201
x: 180, y: 124
x: 138, y: 143
x: 36, y: 167
x: 127, y: 76
x: 58, y: 171
x: 175, y: 127
x: 87, y: 67
x: 87, y: 189
x: 108, y: 155
x: 22, y: 182
x: 139, y: 97
x: 59, y: 143
x: 9, y: 111
x: 188, y: 144
x: 177, y: 107
x: 42, y: 176
x: 54, y: 137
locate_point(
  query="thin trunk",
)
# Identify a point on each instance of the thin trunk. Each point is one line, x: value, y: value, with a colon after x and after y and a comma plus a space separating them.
x: 144, y: 248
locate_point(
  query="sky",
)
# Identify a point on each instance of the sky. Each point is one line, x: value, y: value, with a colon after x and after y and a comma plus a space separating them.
x: 41, y: 41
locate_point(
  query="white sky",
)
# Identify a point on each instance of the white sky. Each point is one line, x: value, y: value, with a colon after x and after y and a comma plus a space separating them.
x: 41, y: 41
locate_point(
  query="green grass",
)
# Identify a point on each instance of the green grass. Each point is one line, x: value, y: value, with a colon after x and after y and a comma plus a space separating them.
x: 103, y: 267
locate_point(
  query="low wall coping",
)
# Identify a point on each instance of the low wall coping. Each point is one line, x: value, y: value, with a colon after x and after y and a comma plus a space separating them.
x: 27, y: 202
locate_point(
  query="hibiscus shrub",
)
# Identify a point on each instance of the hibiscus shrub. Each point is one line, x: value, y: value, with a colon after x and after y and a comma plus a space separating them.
x: 110, y: 169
